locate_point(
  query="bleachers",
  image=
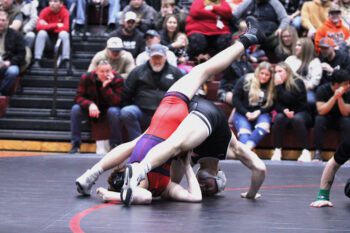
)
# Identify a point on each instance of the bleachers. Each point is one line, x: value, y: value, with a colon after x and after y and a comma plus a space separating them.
x: 291, y: 146
x: 29, y: 119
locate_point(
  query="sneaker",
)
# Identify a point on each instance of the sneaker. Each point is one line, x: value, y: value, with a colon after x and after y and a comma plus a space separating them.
x: 85, y: 182
x: 75, y: 149
x: 277, y: 155
x: 64, y: 64
x: 305, y: 156
x: 78, y: 30
x: 253, y: 35
x: 36, y: 64
x: 110, y: 28
x: 133, y: 176
x: 317, y: 156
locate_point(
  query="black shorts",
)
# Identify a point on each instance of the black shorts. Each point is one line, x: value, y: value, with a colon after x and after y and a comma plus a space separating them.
x: 217, y: 142
x: 343, y: 152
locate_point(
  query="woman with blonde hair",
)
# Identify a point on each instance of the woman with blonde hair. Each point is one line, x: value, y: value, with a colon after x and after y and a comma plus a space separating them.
x: 253, y: 100
x: 286, y: 43
x: 291, y: 107
x: 304, y: 63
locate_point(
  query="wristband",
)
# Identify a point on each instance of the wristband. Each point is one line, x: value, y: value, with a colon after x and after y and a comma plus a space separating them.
x: 323, y: 195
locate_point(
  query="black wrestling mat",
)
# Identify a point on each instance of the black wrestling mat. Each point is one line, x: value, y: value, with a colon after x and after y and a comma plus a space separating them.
x: 38, y: 195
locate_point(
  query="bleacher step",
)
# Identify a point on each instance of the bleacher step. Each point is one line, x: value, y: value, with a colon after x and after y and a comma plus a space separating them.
x: 44, y: 135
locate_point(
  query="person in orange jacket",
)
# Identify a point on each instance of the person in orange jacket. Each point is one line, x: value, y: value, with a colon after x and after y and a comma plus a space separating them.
x: 333, y: 28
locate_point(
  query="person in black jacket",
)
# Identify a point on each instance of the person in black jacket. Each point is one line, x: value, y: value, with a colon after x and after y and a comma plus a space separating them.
x: 333, y: 109
x: 291, y: 107
x: 145, y: 88
x: 12, y: 54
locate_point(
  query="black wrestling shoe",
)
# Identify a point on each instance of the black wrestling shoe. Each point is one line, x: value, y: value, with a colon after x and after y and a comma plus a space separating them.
x: 347, y: 188
x: 126, y: 194
x: 253, y: 35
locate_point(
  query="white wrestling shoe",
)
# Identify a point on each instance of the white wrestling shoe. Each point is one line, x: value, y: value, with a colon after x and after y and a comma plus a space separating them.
x: 277, y: 155
x: 133, y: 176
x: 305, y: 156
x: 85, y: 182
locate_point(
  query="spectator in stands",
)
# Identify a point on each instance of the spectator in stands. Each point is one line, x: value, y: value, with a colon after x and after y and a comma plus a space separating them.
x: 291, y: 108
x: 293, y: 10
x: 333, y: 28
x: 53, y: 23
x: 231, y: 75
x: 332, y: 59
x: 30, y: 16
x: 314, y: 14
x: 345, y: 12
x: 333, y: 106
x: 12, y: 54
x: 208, y: 27
x: 271, y: 15
x: 175, y: 40
x: 98, y: 97
x: 121, y: 61
x: 15, y: 15
x: 132, y: 38
x: 152, y: 37
x: 253, y: 99
x: 286, y: 43
x: 146, y: 15
x: 168, y: 7
x: 304, y: 63
x: 81, y: 8
x: 144, y: 89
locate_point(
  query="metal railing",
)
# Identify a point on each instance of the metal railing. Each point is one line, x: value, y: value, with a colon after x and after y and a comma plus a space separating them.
x: 58, y: 60
x: 57, y: 63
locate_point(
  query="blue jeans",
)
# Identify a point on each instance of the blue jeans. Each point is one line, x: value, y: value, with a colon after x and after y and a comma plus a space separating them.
x: 8, y: 76
x: 113, y: 116
x: 134, y: 120
x: 251, y: 131
x: 296, y: 22
x: 113, y: 11
x: 42, y: 40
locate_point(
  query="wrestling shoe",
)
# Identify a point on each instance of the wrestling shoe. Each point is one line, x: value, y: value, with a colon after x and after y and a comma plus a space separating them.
x: 85, y: 182
x: 133, y: 176
x: 305, y: 156
x: 253, y: 35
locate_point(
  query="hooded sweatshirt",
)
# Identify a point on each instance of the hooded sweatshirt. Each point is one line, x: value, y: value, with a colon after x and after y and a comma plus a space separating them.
x: 338, y: 32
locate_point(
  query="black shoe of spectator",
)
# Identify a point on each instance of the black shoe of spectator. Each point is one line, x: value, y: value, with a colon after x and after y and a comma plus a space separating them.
x: 75, y: 149
x: 78, y: 30
x: 64, y: 64
x: 36, y: 64
x: 110, y: 28
x: 112, y: 145
x: 317, y: 156
x: 253, y: 35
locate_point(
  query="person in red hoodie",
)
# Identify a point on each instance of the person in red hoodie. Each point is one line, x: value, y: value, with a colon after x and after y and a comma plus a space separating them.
x: 207, y: 26
x: 333, y: 28
x: 53, y: 23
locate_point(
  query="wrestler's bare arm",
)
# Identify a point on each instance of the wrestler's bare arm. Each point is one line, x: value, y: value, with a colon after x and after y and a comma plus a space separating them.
x: 176, y: 192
